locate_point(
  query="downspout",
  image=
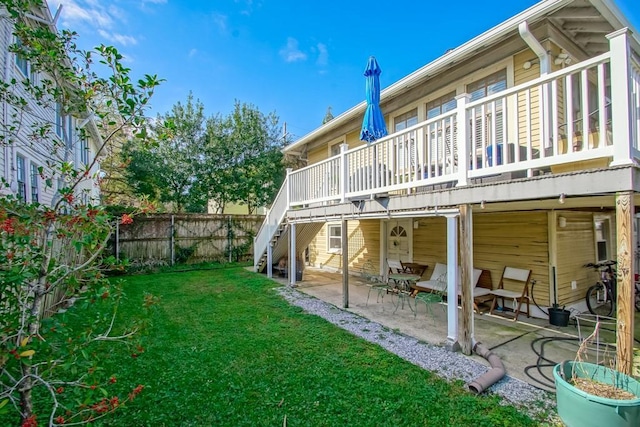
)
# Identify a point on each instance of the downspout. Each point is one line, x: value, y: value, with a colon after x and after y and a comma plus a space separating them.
x: 490, y: 377
x: 545, y: 68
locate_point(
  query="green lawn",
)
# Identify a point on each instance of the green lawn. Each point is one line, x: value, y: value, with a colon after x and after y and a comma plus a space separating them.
x: 226, y: 350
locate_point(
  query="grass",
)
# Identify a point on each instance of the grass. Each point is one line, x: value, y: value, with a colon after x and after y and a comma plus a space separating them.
x: 225, y: 349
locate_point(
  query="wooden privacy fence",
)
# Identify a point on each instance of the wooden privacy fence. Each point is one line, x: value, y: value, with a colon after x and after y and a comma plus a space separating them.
x: 186, y: 238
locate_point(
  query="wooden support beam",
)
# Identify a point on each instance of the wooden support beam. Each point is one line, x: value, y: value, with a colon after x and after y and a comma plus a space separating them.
x: 466, y: 276
x: 625, y: 302
x: 345, y: 265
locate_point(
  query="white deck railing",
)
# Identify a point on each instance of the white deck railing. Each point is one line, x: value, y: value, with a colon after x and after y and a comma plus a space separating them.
x: 562, y: 117
x: 590, y: 110
x: 275, y: 216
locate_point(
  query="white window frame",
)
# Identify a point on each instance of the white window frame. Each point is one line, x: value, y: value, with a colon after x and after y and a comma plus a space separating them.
x: 21, y: 62
x: 21, y: 177
x: 59, y: 120
x: 605, y: 239
x: 34, y: 184
x: 331, y: 227
x: 84, y: 150
x: 405, y: 120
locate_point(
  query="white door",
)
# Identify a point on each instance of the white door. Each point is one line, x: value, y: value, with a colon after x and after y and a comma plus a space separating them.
x: 400, y: 240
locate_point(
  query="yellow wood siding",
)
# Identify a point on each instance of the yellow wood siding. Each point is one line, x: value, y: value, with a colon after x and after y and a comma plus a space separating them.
x: 364, y: 245
x: 515, y: 239
x: 576, y: 247
x: 317, y: 155
x: 522, y: 75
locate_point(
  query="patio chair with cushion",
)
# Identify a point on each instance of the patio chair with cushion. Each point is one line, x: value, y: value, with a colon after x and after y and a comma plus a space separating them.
x: 436, y: 296
x: 515, y: 278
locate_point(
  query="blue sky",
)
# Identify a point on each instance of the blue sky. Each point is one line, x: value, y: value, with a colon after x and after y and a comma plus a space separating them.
x: 292, y: 57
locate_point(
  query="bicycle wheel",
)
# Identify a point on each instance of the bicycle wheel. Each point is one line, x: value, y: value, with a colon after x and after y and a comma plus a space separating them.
x: 599, y: 301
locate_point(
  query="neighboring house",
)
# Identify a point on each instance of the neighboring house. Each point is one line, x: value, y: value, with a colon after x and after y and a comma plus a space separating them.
x: 21, y: 156
x: 518, y: 148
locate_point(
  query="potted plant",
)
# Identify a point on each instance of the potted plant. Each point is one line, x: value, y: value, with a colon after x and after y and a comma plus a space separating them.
x: 590, y: 394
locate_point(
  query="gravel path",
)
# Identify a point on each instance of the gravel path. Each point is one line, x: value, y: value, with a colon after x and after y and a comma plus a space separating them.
x: 446, y: 364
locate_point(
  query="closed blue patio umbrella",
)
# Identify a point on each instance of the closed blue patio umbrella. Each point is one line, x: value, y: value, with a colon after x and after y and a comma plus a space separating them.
x: 373, y: 125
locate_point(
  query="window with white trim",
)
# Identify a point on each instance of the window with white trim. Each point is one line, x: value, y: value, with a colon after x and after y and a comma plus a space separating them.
x: 59, y: 120
x: 33, y: 181
x: 21, y: 177
x: 487, y: 122
x: 441, y: 105
x: 405, y: 120
x: 84, y: 150
x: 440, y: 132
x: 334, y: 238
x: 21, y: 61
x: 602, y: 227
x: 335, y: 149
x: 70, y: 132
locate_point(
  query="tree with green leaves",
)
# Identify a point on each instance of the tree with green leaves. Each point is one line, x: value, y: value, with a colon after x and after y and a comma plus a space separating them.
x: 50, y: 373
x: 243, y: 161
x: 167, y: 171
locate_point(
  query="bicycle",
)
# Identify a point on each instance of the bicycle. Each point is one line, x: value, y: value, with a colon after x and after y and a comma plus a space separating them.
x: 601, y: 297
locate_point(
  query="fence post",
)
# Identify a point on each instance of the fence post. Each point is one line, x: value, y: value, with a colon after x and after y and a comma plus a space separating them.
x: 229, y: 235
x: 117, y: 243
x: 171, y: 241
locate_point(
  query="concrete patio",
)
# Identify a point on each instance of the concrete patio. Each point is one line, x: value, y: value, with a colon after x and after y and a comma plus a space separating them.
x: 511, y: 340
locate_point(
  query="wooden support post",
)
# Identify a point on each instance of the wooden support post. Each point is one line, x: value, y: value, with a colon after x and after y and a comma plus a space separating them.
x: 345, y: 265
x: 625, y: 302
x: 466, y: 276
x: 172, y: 243
x: 452, y: 343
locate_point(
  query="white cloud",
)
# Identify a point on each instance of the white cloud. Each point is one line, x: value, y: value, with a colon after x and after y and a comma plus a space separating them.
x: 220, y: 21
x: 323, y: 54
x: 118, y: 38
x: 193, y: 52
x: 291, y: 52
x: 90, y: 13
x: 104, y: 19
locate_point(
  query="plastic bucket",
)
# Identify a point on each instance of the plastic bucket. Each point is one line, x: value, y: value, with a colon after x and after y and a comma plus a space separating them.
x: 559, y: 316
x: 579, y: 409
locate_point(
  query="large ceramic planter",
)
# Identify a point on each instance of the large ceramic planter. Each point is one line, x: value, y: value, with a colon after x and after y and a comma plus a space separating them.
x: 579, y: 409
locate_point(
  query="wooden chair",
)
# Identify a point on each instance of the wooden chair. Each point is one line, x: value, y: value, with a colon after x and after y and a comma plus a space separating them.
x: 395, y: 266
x: 516, y: 277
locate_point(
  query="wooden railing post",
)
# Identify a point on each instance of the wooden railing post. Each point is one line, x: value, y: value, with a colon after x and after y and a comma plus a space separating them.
x: 464, y: 144
x: 344, y: 172
x: 620, y: 96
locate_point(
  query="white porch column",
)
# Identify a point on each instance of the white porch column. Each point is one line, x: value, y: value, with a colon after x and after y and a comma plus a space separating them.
x: 452, y: 276
x: 464, y: 144
x: 620, y: 96
x: 345, y: 265
x: 292, y: 254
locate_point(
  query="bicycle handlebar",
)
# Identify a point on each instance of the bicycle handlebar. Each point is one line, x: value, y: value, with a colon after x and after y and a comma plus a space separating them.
x: 599, y: 265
